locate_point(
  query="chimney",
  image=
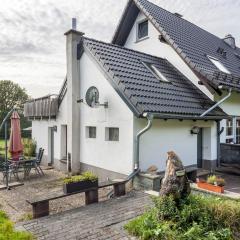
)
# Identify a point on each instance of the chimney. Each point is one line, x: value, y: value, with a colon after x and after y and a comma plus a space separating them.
x: 230, y: 40
x: 74, y: 23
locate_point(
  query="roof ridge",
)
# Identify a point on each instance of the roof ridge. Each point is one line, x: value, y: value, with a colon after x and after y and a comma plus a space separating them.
x: 182, y: 18
x: 128, y: 49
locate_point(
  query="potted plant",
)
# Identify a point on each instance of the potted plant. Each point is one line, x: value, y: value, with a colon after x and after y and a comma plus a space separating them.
x: 80, y: 182
x: 213, y: 183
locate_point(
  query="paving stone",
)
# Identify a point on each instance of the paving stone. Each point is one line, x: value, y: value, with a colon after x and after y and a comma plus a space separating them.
x: 101, y: 221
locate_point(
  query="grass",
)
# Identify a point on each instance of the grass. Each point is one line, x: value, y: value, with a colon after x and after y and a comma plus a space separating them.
x: 7, y: 231
x: 2, y: 147
x: 198, y: 217
x: 29, y: 147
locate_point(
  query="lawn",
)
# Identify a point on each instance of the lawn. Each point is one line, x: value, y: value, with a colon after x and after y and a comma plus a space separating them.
x: 7, y: 231
x: 2, y: 147
x: 198, y: 217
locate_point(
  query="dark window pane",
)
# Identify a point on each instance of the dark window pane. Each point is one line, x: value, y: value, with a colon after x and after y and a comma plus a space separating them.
x: 238, y: 131
x: 113, y: 134
x: 229, y: 127
x: 142, y: 29
x: 92, y: 132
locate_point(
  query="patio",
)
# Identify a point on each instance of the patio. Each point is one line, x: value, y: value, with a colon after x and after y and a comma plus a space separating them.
x: 13, y: 201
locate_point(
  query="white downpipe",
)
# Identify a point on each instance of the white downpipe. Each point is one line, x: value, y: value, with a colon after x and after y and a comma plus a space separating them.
x: 138, y: 136
x: 217, y: 104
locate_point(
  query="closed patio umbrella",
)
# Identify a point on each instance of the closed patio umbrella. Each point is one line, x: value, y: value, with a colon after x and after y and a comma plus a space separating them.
x: 15, y: 144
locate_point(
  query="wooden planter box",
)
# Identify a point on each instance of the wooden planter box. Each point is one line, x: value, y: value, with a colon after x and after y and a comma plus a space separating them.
x: 79, y: 186
x: 210, y: 187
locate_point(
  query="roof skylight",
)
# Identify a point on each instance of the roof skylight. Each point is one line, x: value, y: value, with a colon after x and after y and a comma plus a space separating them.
x: 156, y: 72
x: 219, y: 65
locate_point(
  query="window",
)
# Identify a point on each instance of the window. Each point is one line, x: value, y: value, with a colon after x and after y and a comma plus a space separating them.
x: 238, y: 131
x: 142, y: 29
x: 229, y: 131
x: 219, y: 65
x: 233, y: 130
x: 91, y: 132
x: 156, y: 72
x: 112, y: 134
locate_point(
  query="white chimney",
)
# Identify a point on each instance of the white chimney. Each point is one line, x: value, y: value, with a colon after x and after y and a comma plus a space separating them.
x: 230, y: 40
x: 74, y: 23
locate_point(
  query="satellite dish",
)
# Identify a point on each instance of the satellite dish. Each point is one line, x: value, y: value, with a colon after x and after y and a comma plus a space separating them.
x: 92, y: 97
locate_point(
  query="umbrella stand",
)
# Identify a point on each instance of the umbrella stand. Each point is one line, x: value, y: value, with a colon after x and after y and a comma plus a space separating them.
x: 6, y: 157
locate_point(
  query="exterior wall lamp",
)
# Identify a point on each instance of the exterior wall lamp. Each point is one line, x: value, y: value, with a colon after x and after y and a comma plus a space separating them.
x: 195, y: 130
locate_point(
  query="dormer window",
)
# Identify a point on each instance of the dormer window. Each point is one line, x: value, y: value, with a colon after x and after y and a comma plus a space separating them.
x: 142, y: 29
x: 156, y: 72
x: 218, y: 65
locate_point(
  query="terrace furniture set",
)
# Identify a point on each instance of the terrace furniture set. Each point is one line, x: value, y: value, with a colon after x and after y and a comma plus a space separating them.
x: 14, y: 167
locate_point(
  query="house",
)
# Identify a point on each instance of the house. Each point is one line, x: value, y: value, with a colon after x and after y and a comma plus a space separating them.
x: 162, y: 84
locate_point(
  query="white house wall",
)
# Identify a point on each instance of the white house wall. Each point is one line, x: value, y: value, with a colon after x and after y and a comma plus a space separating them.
x: 232, y: 105
x: 174, y: 135
x: 40, y: 132
x: 112, y: 156
x: 153, y: 46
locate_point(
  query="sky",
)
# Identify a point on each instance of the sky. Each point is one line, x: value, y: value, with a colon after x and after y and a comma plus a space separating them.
x: 32, y: 41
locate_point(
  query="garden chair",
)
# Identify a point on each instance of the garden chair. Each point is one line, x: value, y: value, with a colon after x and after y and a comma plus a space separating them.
x: 38, y: 160
x: 8, y: 169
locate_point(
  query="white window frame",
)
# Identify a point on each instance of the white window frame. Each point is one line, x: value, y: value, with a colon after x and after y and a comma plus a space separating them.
x: 107, y: 134
x: 217, y: 63
x: 156, y: 72
x: 87, y: 132
x: 234, y: 130
x: 137, y: 30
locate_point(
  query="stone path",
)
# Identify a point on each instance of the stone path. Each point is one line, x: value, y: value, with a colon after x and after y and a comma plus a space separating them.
x: 13, y: 202
x: 104, y: 220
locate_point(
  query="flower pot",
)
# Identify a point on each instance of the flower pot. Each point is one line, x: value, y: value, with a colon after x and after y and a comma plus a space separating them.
x: 210, y: 187
x: 79, y: 186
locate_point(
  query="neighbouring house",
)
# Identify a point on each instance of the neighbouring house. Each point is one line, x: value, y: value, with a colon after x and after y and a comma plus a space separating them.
x: 162, y: 84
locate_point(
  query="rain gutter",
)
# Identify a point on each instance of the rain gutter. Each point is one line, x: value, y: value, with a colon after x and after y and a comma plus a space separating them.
x: 218, y: 103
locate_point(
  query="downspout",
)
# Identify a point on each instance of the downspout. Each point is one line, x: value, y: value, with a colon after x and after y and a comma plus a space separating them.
x: 136, y: 169
x: 218, y: 123
x: 219, y: 132
x: 217, y: 104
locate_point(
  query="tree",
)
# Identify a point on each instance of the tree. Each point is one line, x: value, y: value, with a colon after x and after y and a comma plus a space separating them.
x: 12, y: 95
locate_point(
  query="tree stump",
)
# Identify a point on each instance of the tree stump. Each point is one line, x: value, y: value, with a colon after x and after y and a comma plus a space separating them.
x: 175, y: 181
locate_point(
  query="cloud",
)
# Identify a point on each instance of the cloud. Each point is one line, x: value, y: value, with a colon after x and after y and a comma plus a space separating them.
x: 32, y: 44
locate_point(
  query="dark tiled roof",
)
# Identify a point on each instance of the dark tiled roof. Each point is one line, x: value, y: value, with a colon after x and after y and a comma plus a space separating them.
x: 191, y: 42
x: 140, y: 89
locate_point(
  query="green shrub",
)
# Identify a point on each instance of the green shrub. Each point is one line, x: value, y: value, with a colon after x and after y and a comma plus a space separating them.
x: 29, y: 147
x: 212, y: 179
x: 197, y: 217
x: 86, y: 176
x: 7, y: 231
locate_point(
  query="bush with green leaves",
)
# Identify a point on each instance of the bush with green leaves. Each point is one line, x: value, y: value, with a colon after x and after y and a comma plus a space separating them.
x: 7, y: 231
x: 196, y: 218
x: 86, y: 176
x: 29, y: 147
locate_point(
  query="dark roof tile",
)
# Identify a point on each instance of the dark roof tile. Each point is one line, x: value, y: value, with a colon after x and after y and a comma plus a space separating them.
x: 141, y: 89
x: 193, y: 43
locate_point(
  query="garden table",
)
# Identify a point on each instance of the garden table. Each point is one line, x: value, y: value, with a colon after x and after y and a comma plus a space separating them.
x: 26, y: 165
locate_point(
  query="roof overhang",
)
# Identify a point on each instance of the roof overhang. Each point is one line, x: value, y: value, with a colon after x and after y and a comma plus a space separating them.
x: 187, y: 117
x: 125, y: 24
